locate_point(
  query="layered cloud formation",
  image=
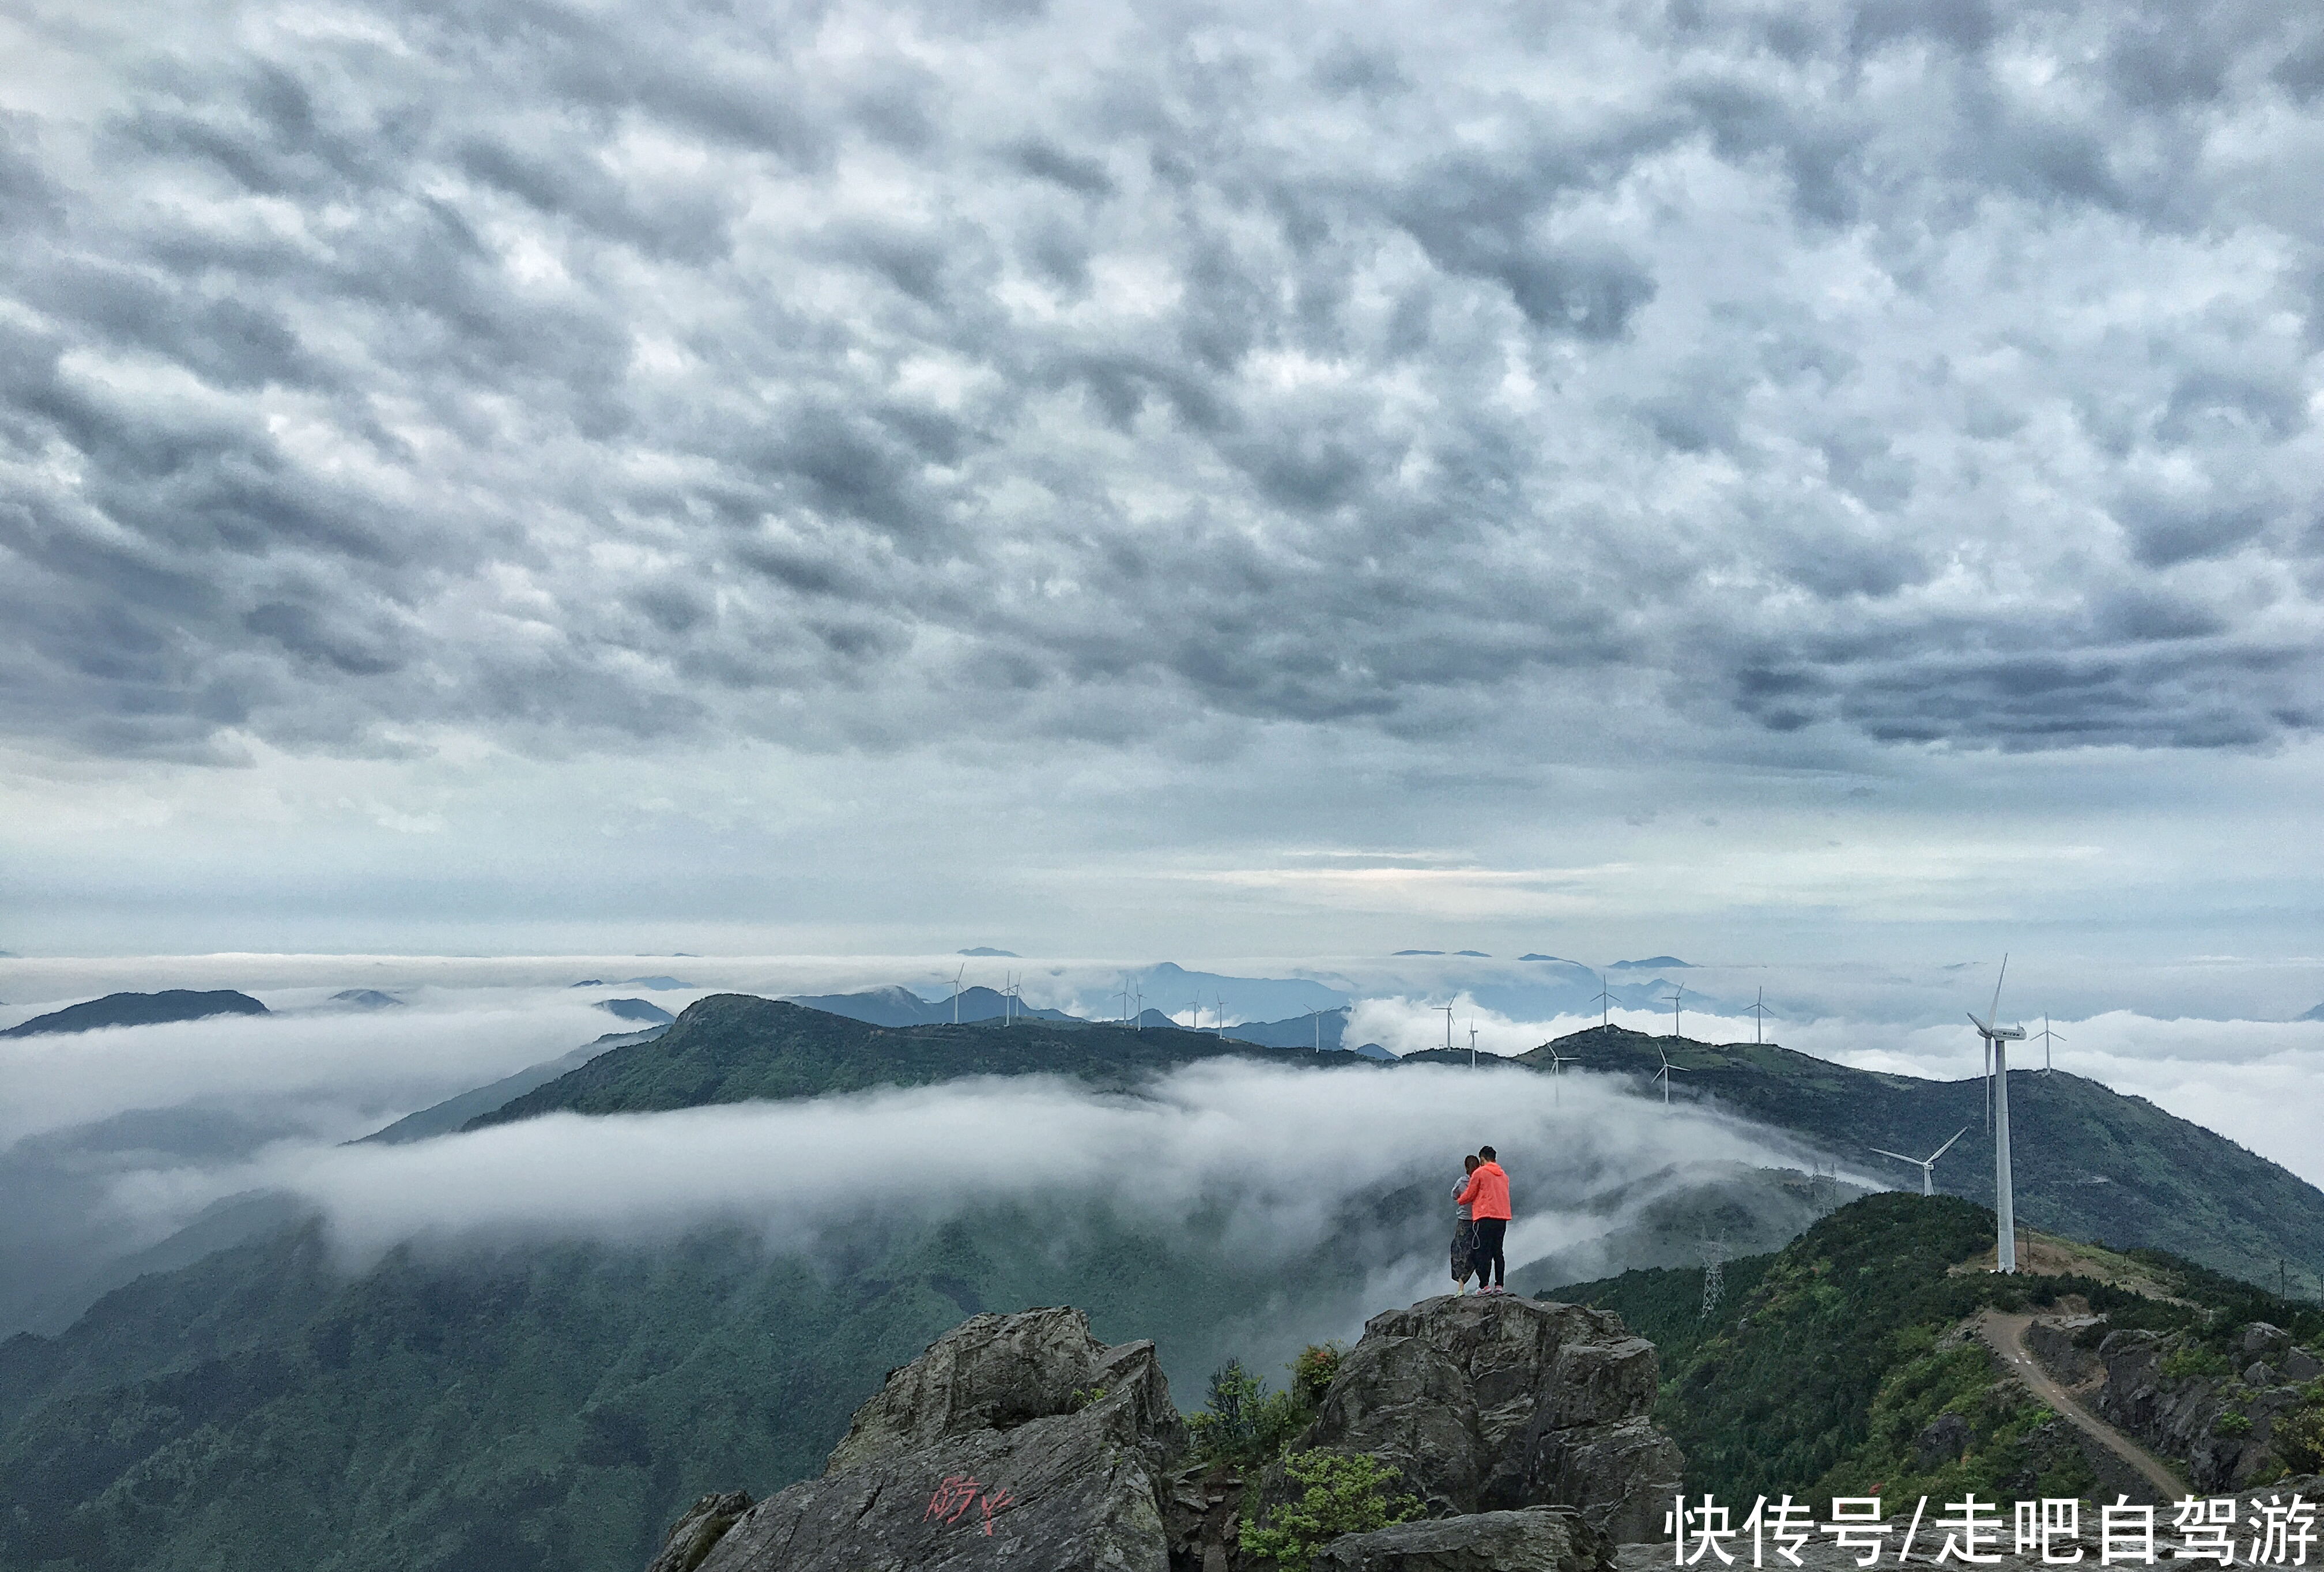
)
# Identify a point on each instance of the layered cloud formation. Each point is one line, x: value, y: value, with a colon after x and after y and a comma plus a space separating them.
x: 857, y: 375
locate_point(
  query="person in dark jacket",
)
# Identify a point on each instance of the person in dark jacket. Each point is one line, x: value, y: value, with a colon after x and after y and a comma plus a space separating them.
x: 1464, y: 1231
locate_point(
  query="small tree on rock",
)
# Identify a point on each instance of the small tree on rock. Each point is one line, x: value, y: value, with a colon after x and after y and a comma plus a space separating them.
x: 1346, y: 1492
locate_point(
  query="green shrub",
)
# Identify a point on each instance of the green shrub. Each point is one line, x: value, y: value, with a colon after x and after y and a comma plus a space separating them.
x: 2231, y: 1424
x: 1228, y: 1426
x: 2194, y: 1360
x: 2300, y: 1439
x: 1346, y: 1492
x: 1243, y: 1422
x: 1312, y: 1372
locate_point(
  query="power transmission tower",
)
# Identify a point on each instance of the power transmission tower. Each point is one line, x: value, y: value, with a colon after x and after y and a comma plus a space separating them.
x: 1714, y: 1278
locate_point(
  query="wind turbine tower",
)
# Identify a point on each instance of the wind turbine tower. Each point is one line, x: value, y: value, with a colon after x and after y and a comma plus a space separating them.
x: 1997, y: 1040
x: 1675, y: 997
x: 1759, y: 1013
x: 1448, y: 1026
x: 1605, y: 1003
x: 1557, y: 1063
x: 1473, y: 1043
x: 2049, y: 1036
x: 1927, y: 1165
x: 956, y: 976
x: 1664, y: 1074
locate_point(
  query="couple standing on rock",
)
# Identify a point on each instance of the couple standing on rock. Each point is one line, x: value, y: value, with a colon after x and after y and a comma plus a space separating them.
x: 1482, y: 1198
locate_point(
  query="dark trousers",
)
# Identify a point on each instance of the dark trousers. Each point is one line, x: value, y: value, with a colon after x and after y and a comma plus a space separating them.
x: 1487, y: 1257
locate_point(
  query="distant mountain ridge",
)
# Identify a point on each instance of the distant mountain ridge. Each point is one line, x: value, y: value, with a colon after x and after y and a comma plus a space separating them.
x: 2087, y: 1161
x: 447, y: 1116
x: 732, y: 1048
x: 895, y: 1006
x: 170, y: 1005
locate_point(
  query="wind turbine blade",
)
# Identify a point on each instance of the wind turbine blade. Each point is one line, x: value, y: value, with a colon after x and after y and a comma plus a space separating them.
x: 1980, y: 1025
x: 1994, y: 1009
x: 1899, y: 1156
x: 1948, y: 1146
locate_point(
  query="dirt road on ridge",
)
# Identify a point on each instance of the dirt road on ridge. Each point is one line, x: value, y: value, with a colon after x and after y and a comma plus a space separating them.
x: 2005, y: 1336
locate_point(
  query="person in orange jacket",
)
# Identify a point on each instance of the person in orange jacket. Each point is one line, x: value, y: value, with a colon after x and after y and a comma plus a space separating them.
x: 1487, y: 1196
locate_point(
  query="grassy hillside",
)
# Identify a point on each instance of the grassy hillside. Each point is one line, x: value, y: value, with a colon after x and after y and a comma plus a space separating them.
x: 1827, y: 1360
x: 2089, y: 1163
x: 731, y: 1048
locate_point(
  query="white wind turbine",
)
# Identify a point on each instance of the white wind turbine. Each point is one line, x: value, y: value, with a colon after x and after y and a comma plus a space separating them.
x: 1674, y: 1000
x: 1605, y: 1001
x: 1997, y: 1040
x: 2048, y: 1037
x: 1472, y: 1043
x: 1759, y: 1013
x: 1448, y: 1026
x: 956, y: 976
x: 1557, y: 1063
x: 1927, y: 1165
x: 1664, y: 1074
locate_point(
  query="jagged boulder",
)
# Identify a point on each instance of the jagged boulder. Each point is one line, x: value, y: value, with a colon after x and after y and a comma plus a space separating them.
x: 1493, y: 1403
x: 694, y: 1536
x: 1542, y: 1539
x: 2180, y: 1416
x: 1017, y: 1442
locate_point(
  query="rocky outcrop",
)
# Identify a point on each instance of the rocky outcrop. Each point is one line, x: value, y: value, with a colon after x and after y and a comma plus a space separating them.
x: 2221, y: 1424
x: 1492, y: 1403
x: 1539, y: 1539
x: 1021, y: 1442
x: 694, y: 1536
x: 2057, y: 1341
x: 1016, y: 1442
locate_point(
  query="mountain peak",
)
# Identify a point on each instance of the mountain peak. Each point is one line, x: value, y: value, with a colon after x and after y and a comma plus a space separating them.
x: 170, y: 1005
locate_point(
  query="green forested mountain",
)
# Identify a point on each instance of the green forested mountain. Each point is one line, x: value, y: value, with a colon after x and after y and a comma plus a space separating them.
x: 731, y: 1048
x: 1824, y: 1362
x: 555, y: 1406
x: 2088, y: 1162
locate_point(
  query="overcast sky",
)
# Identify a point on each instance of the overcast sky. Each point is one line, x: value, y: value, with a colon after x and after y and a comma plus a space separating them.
x: 1780, y: 482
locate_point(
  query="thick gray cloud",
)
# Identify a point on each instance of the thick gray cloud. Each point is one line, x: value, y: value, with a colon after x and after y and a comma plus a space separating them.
x: 855, y: 375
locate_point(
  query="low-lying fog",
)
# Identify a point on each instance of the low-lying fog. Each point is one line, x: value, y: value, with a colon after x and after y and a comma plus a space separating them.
x: 110, y: 1140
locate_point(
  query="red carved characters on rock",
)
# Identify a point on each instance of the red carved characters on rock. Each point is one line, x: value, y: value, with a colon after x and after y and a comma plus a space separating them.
x: 961, y: 1494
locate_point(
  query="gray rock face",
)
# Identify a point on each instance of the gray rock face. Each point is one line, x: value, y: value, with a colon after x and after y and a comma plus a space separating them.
x: 1493, y: 1403
x: 2264, y: 1340
x: 696, y: 1534
x: 2054, y: 1340
x: 1539, y: 1539
x: 1945, y: 1439
x: 2179, y: 1416
x: 1016, y: 1442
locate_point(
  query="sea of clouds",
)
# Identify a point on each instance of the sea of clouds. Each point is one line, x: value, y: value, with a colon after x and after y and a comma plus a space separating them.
x: 110, y: 1140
